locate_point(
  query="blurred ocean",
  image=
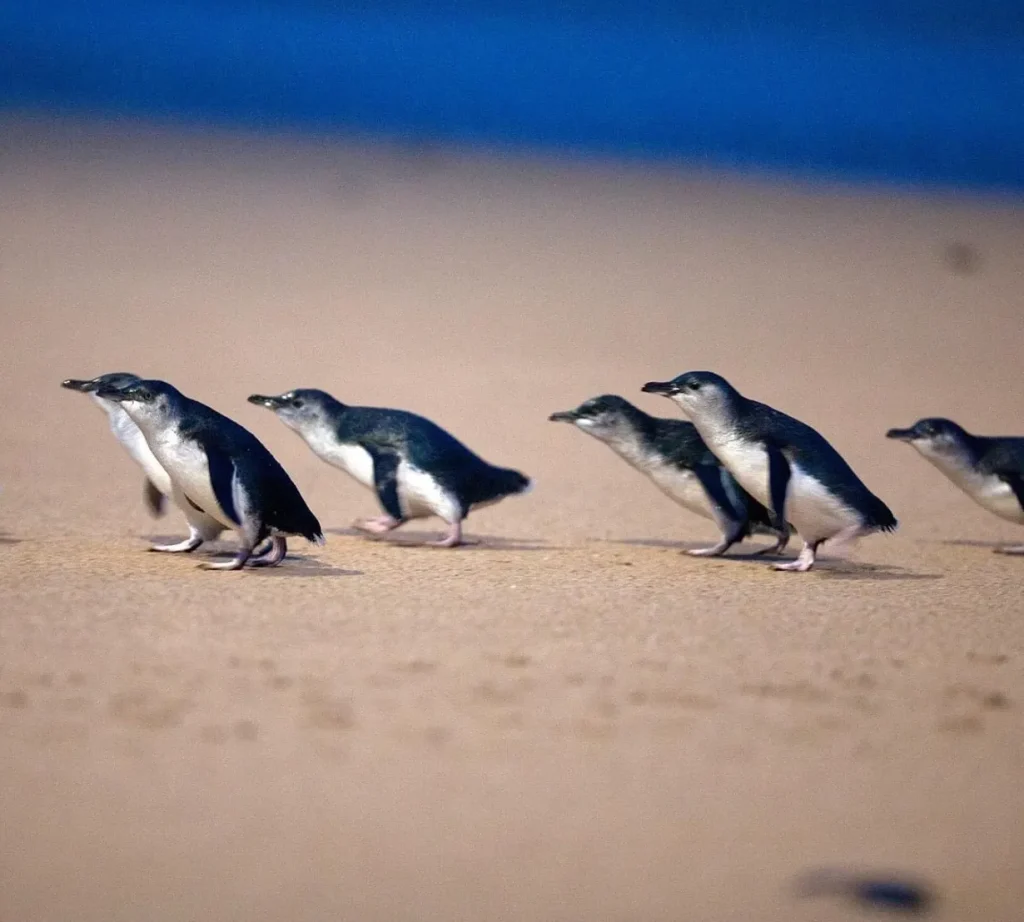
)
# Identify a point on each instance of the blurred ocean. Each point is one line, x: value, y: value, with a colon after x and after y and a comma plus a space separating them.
x: 914, y: 92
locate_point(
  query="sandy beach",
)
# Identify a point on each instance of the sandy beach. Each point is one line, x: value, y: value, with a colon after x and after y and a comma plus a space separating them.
x: 569, y: 719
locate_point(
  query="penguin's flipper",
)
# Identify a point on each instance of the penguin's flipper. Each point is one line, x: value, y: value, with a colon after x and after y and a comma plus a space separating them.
x: 723, y: 495
x: 385, y: 480
x: 1016, y: 483
x: 779, y: 473
x: 222, y: 479
x: 156, y: 502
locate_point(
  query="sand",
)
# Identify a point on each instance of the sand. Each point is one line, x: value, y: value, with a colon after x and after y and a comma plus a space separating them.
x: 569, y: 720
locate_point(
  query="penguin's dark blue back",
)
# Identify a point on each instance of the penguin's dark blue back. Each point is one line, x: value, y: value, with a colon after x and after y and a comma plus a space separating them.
x: 1000, y: 454
x: 428, y: 447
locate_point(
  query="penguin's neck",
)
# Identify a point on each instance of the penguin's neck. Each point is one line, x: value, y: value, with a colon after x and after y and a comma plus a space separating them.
x: 959, y: 464
x: 632, y: 440
x: 719, y: 427
x: 120, y: 422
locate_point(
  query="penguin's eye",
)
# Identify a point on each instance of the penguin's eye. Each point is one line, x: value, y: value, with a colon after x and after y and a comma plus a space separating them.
x: 297, y: 403
x: 694, y: 385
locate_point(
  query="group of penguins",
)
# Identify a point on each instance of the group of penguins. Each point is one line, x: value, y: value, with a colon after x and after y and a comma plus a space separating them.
x: 747, y: 466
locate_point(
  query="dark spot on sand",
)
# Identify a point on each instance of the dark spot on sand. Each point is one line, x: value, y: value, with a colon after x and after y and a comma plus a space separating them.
x: 16, y: 699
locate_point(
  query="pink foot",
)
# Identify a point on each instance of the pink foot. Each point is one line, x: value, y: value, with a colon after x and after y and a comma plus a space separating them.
x: 377, y: 526
x: 452, y: 539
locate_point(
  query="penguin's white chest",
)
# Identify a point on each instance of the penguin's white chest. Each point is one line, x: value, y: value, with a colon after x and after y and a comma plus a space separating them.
x: 420, y: 495
x: 989, y: 492
x: 683, y: 486
x: 189, y: 470
x: 134, y: 442
x: 354, y: 460
x: 748, y: 463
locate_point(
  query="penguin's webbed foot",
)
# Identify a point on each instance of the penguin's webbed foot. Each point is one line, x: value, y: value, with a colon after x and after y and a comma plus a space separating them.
x: 182, y: 547
x: 715, y: 551
x: 379, y: 525
x: 452, y: 539
x: 803, y: 562
x: 236, y: 563
x: 1012, y: 550
x: 273, y: 555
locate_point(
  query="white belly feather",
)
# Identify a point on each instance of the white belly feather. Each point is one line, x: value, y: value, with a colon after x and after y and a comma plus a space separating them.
x: 134, y: 442
x: 683, y: 486
x: 189, y: 469
x: 354, y: 460
x: 420, y: 495
x: 989, y: 492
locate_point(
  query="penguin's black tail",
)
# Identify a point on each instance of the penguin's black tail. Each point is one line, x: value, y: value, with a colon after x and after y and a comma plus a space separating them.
x: 500, y: 482
x: 880, y: 516
x: 511, y: 482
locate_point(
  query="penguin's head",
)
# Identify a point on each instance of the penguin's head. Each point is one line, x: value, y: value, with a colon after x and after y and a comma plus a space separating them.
x: 142, y: 399
x: 600, y: 416
x: 116, y: 379
x: 299, y: 408
x: 933, y: 435
x: 700, y: 393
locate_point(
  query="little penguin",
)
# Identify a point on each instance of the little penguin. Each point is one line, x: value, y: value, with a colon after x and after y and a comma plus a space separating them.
x: 672, y: 454
x: 989, y: 469
x: 415, y: 467
x: 219, y: 468
x: 783, y: 463
x: 157, y: 487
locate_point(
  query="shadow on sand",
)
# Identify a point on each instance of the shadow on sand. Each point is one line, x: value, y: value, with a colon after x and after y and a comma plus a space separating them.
x: 298, y: 565
x: 995, y: 546
x: 825, y: 567
x: 738, y: 552
x: 402, y: 538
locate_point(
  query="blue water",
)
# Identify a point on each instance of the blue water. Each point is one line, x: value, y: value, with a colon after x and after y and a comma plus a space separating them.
x: 926, y: 92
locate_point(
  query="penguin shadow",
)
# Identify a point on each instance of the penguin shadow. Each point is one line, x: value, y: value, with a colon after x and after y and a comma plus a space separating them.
x: 837, y: 568
x: 736, y: 553
x: 8, y: 539
x: 401, y: 538
x: 825, y: 567
x: 970, y: 542
x: 299, y: 565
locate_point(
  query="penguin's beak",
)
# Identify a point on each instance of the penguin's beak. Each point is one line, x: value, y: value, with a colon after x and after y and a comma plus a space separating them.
x: 665, y: 388
x: 76, y: 384
x: 111, y: 393
x: 565, y: 416
x: 271, y: 403
x: 901, y: 435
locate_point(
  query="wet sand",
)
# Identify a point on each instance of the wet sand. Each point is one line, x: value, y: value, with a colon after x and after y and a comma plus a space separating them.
x: 568, y: 720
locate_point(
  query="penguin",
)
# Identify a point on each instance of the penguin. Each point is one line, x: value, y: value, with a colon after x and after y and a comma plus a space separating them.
x: 415, y: 467
x: 219, y: 468
x: 783, y: 463
x: 989, y: 469
x: 157, y: 485
x: 674, y: 457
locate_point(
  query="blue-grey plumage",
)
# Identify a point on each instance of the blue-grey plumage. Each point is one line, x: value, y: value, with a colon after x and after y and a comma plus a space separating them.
x: 782, y: 462
x: 415, y: 467
x: 989, y: 469
x: 671, y: 453
x: 157, y: 486
x: 217, y: 466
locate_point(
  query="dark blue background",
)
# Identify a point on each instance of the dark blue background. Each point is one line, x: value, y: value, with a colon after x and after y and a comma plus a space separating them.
x: 919, y: 91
